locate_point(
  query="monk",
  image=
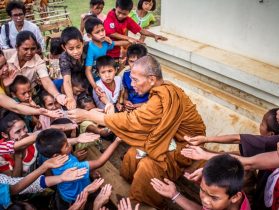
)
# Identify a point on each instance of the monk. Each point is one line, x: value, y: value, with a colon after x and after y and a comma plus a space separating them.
x: 154, y: 131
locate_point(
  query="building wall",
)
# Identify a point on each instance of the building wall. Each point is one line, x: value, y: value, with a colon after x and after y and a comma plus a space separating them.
x: 246, y: 27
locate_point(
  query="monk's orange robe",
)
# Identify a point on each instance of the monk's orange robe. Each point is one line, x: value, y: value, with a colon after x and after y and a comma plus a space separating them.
x: 168, y: 114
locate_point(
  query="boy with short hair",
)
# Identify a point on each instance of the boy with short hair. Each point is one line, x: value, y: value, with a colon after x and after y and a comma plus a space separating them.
x: 71, y: 60
x: 98, y: 46
x: 132, y: 100
x: 52, y: 142
x: 118, y: 23
x: 21, y: 91
x: 220, y: 188
x: 110, y: 84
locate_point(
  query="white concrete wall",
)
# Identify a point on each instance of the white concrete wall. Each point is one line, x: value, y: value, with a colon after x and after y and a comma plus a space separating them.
x: 246, y: 27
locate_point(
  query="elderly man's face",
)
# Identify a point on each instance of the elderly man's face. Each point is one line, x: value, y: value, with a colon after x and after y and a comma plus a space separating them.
x: 140, y: 82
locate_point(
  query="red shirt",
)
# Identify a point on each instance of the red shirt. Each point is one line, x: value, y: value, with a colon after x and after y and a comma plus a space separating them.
x: 112, y: 25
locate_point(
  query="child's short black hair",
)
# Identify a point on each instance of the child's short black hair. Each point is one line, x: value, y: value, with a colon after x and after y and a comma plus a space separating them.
x: 124, y: 4
x: 55, y: 46
x: 15, y: 5
x: 8, y: 119
x: 1, y: 52
x: 50, y: 142
x: 70, y: 33
x: 60, y: 121
x: 19, y: 80
x: 78, y: 79
x: 271, y: 121
x: 91, y: 23
x: 141, y: 3
x: 96, y: 2
x: 137, y: 50
x: 105, y: 60
x: 226, y: 172
x: 83, y: 98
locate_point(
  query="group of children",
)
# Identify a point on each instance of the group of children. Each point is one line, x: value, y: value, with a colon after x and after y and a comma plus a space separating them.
x: 87, y: 66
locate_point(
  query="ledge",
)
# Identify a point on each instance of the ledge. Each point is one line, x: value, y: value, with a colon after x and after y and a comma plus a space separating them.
x: 255, y: 78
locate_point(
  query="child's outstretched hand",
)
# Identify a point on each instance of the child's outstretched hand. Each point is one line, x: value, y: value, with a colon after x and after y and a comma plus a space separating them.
x: 109, y: 108
x: 80, y: 202
x: 9, y: 77
x: 103, y: 197
x: 71, y: 103
x: 194, y: 152
x: 94, y: 186
x: 196, y: 141
x: 126, y: 205
x: 55, y: 162
x: 196, y: 176
x: 98, y: 90
x: 81, y: 154
x: 159, y: 37
x: 87, y: 137
x: 107, y: 39
x: 72, y: 174
x: 51, y: 114
x: 166, y: 188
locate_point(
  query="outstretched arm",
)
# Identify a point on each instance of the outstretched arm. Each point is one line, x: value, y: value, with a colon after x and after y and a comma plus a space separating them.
x: 226, y: 139
x: 93, y: 164
x: 168, y: 189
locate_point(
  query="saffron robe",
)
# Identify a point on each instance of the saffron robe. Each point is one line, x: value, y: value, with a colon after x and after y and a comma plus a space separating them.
x: 168, y: 114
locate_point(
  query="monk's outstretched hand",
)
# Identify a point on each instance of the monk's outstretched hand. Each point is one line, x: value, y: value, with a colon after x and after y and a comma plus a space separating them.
x: 77, y: 115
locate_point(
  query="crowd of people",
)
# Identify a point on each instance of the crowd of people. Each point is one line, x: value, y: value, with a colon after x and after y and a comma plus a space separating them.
x: 98, y: 83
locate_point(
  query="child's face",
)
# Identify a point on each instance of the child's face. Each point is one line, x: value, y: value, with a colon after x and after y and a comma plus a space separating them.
x: 131, y: 60
x: 88, y: 106
x: 121, y: 14
x: 74, y: 48
x: 23, y: 92
x: 147, y: 6
x: 97, y: 9
x: 78, y: 90
x: 50, y: 103
x: 3, y: 67
x: 107, y: 74
x: 214, y: 197
x: 98, y: 33
x: 18, y: 130
x: 66, y: 149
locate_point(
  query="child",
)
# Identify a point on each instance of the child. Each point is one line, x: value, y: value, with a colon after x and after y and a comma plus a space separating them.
x: 53, y: 58
x: 36, y: 182
x: 109, y: 83
x: 96, y: 8
x: 142, y: 14
x: 20, y: 90
x: 84, y: 101
x: 78, y: 82
x: 118, y: 23
x: 48, y: 103
x: 220, y: 188
x: 249, y: 145
x: 71, y: 60
x: 12, y: 127
x: 52, y: 142
x: 98, y: 46
x: 132, y: 100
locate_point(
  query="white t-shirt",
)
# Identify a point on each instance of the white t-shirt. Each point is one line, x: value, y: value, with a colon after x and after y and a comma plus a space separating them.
x: 112, y: 96
x: 27, y: 26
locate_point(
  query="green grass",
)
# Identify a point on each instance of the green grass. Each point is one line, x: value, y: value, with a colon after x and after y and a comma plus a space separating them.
x: 78, y: 7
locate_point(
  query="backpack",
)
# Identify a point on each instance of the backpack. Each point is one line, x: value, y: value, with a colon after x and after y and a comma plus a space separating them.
x: 7, y: 33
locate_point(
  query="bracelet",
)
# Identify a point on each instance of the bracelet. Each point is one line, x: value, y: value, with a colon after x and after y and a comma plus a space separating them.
x: 175, y: 197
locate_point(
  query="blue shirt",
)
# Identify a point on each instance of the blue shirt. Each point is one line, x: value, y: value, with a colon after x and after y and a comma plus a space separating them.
x: 70, y: 190
x: 95, y: 52
x: 58, y: 84
x: 132, y: 95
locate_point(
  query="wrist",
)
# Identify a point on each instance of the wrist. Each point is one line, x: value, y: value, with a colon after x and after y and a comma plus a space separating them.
x: 176, y: 195
x: 57, y: 94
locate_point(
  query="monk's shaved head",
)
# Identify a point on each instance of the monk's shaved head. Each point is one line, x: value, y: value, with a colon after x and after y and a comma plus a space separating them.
x: 150, y: 66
